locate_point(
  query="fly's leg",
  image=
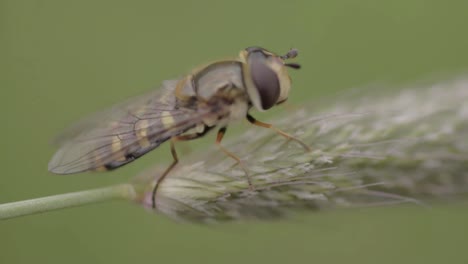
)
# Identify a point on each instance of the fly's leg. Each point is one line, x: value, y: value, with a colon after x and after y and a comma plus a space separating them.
x: 166, y: 172
x: 254, y: 121
x: 219, y: 137
x: 175, y: 161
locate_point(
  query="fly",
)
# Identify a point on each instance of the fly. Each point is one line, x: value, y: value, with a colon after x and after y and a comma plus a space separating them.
x: 184, y: 109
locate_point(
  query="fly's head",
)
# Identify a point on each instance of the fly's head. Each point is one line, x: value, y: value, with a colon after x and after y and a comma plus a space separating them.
x: 266, y: 77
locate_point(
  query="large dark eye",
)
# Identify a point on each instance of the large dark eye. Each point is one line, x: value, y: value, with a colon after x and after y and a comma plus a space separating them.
x: 266, y: 82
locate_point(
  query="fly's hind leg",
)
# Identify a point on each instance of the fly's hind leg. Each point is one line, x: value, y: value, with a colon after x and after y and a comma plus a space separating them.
x: 239, y: 162
x: 254, y: 121
x: 175, y: 161
x: 165, y: 173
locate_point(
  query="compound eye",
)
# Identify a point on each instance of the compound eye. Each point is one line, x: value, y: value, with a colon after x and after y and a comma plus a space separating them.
x: 267, y: 83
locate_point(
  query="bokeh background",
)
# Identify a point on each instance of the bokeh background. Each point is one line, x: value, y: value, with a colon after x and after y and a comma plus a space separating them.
x: 61, y: 60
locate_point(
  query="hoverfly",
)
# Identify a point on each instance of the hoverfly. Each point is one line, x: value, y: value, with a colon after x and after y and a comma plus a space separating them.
x: 184, y: 109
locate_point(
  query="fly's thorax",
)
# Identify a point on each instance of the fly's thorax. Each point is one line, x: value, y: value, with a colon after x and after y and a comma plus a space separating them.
x: 217, y: 77
x: 229, y: 104
x: 213, y: 81
x: 266, y: 78
x: 235, y: 112
x: 238, y: 109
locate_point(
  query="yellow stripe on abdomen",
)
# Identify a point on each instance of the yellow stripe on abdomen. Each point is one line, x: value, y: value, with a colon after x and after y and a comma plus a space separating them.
x: 141, y: 131
x: 117, y: 148
x: 167, y: 119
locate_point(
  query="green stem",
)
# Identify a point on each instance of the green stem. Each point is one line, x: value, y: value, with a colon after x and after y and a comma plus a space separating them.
x: 67, y: 200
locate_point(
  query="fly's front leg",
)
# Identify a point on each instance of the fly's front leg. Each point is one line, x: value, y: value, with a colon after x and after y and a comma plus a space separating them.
x: 219, y: 137
x: 254, y: 121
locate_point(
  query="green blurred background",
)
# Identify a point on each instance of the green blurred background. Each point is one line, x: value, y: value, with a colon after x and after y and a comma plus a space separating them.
x: 60, y: 60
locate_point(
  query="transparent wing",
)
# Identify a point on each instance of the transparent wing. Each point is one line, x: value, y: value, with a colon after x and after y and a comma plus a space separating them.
x: 124, y: 132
